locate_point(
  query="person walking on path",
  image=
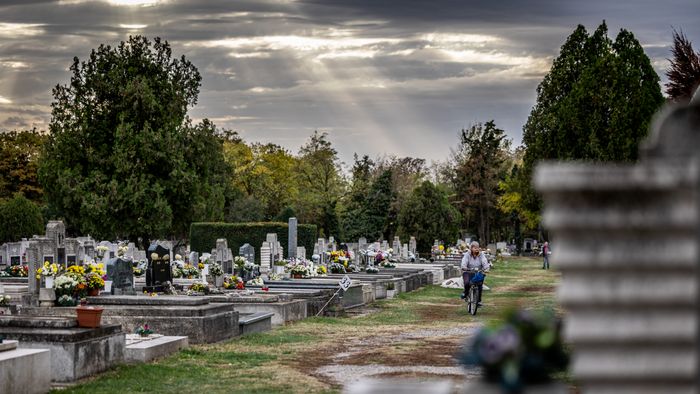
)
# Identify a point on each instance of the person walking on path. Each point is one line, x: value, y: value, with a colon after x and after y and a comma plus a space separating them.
x: 545, y: 255
x: 473, y: 259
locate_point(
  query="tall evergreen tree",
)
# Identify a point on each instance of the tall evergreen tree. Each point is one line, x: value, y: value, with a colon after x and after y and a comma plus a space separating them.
x: 596, y: 103
x: 122, y: 159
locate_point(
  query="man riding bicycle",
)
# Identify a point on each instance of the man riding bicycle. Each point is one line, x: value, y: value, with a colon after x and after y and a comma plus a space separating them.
x: 472, y: 261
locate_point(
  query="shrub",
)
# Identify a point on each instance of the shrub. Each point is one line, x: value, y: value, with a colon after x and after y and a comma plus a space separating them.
x: 203, y: 236
x: 20, y: 218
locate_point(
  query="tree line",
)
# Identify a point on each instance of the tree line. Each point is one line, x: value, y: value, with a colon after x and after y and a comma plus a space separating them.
x: 122, y: 159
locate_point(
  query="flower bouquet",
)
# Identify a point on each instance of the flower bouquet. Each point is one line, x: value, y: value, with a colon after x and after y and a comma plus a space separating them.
x: 66, y: 300
x: 256, y: 282
x: 189, y: 271
x: 48, y: 270
x: 65, y: 285
x: 5, y: 300
x: 233, y: 282
x: 18, y: 270
x: 144, y: 330
x: 337, y: 268
x: 215, y: 269
x: 322, y: 270
x: 198, y: 287
x: 525, y: 348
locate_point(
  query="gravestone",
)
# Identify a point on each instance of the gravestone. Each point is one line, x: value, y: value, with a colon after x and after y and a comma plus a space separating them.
x: 396, y: 246
x: 292, y: 239
x: 158, y: 272
x: 301, y: 252
x: 332, y: 247
x: 265, y: 257
x: 628, y: 247
x: 362, y: 243
x: 121, y: 273
x: 194, y: 258
x: 404, y: 252
x: 412, y: 245
x: 385, y: 245
x: 222, y: 256
x: 247, y: 251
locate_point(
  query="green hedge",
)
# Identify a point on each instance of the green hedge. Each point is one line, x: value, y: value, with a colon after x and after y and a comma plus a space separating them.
x: 203, y: 236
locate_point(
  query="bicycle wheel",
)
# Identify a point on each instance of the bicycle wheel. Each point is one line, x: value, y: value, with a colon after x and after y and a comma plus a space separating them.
x: 473, y: 299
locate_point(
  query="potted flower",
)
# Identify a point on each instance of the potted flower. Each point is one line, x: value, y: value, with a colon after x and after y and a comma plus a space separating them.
x: 322, y: 270
x: 143, y: 331
x: 298, y: 271
x: 525, y: 349
x: 65, y: 285
x: 279, y: 266
x: 48, y: 272
x: 189, y: 271
x: 217, y: 273
x: 94, y: 283
x: 372, y: 270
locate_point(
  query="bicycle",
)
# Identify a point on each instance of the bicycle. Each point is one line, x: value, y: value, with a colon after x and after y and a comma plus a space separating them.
x: 472, y: 296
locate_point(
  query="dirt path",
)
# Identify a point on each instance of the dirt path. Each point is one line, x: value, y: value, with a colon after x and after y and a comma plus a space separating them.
x: 423, y: 353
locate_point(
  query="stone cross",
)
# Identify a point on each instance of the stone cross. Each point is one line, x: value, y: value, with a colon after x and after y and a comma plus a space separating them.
x: 292, y: 238
x: 627, y: 241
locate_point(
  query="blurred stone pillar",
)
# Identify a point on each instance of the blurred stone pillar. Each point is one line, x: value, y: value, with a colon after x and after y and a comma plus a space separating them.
x: 627, y: 241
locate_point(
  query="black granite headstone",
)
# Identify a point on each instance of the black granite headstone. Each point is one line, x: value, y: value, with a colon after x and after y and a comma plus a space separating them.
x: 158, y: 272
x: 121, y: 273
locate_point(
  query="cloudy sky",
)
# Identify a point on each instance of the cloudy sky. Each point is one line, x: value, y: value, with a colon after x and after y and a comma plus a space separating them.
x: 381, y: 77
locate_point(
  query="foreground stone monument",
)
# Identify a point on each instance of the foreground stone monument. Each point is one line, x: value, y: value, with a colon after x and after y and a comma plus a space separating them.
x: 628, y: 245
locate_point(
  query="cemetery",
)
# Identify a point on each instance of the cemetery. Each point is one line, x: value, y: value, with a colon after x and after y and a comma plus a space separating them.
x: 209, y: 296
x: 314, y: 226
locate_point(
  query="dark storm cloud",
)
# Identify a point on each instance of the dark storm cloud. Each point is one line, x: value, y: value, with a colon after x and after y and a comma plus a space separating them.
x: 396, y: 77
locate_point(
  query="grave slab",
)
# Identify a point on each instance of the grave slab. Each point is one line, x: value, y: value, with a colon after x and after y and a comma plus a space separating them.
x: 146, y: 350
x: 24, y: 371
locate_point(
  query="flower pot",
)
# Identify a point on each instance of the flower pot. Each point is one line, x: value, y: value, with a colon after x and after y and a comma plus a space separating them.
x: 48, y: 282
x: 94, y: 292
x: 89, y: 316
x: 297, y: 276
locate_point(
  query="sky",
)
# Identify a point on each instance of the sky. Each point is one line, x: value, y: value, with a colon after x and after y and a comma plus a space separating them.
x: 399, y: 77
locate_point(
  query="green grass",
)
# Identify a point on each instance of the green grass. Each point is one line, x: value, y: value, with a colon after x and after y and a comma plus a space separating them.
x: 272, y: 362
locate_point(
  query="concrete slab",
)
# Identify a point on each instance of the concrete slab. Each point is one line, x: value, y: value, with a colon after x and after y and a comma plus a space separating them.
x: 148, y: 349
x: 25, y: 371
